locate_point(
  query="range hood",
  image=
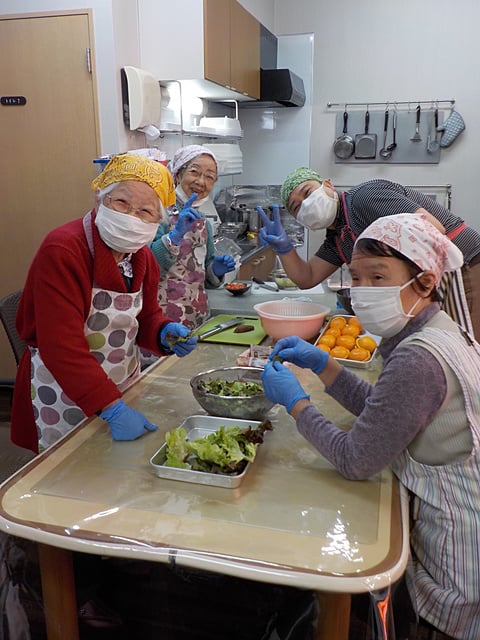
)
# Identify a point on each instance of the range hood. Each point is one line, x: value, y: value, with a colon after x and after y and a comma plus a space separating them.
x: 278, y: 87
x: 281, y: 86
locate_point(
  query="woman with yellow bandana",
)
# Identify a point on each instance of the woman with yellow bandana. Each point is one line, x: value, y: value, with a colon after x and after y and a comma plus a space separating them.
x: 89, y: 303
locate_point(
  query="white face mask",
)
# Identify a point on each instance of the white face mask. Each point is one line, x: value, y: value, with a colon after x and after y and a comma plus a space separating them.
x: 123, y: 233
x: 380, y: 309
x: 183, y: 197
x: 319, y: 210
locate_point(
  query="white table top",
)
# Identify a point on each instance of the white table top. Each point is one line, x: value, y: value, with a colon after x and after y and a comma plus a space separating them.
x: 294, y: 520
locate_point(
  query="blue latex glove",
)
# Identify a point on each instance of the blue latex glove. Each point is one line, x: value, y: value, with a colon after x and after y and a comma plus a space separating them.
x: 171, y: 332
x: 281, y: 385
x: 222, y: 265
x: 272, y: 232
x: 186, y: 219
x: 302, y: 353
x: 126, y: 423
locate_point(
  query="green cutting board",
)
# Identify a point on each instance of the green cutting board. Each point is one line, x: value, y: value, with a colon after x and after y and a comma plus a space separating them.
x: 228, y: 336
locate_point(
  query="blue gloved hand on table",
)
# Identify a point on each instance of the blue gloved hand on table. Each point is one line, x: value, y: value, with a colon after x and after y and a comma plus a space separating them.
x: 281, y: 385
x: 272, y: 233
x: 185, y: 222
x: 169, y: 339
x: 302, y: 353
x: 222, y: 265
x: 126, y: 423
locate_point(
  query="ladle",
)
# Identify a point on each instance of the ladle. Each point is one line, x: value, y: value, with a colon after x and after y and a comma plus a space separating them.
x: 383, y: 151
x: 386, y: 153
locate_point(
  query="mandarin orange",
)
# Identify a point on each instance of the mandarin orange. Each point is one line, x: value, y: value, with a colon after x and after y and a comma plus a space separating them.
x: 345, y: 341
x: 351, y: 330
x: 327, y: 339
x: 359, y: 354
x: 339, y: 352
x: 366, y: 342
x: 337, y: 322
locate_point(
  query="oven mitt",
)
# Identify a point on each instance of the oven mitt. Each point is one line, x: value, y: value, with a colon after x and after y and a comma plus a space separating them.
x: 452, y: 128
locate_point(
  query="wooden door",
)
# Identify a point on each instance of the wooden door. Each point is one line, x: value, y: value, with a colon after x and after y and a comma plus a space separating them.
x: 244, y: 51
x: 48, y: 144
x: 216, y: 35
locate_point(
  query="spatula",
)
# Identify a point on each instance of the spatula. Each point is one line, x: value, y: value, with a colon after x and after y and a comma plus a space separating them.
x: 416, y: 136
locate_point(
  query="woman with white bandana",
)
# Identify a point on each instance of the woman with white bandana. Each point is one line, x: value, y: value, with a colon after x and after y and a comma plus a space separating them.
x: 316, y: 204
x: 184, y: 245
x: 422, y: 416
x: 89, y: 302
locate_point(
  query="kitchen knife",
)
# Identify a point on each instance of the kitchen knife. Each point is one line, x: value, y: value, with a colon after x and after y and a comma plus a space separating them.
x: 261, y: 283
x: 220, y: 327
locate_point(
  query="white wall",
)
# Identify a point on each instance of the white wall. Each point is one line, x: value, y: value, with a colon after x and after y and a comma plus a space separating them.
x: 263, y: 10
x: 375, y: 51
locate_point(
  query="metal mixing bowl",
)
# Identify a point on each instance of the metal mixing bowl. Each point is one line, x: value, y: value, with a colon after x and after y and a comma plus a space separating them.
x: 242, y: 407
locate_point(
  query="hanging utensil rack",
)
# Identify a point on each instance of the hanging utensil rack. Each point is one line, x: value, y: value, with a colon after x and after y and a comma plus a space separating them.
x: 393, y: 103
x: 406, y: 121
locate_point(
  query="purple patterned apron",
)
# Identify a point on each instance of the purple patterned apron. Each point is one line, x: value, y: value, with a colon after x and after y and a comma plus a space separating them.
x: 181, y: 292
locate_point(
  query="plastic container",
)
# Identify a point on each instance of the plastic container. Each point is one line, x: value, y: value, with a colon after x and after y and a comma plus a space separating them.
x: 282, y: 318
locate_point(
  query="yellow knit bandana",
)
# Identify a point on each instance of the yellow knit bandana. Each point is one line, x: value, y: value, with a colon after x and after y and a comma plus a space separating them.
x: 130, y: 166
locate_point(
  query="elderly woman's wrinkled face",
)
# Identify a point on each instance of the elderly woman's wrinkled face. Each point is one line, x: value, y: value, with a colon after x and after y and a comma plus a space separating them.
x: 135, y: 198
x: 198, y: 176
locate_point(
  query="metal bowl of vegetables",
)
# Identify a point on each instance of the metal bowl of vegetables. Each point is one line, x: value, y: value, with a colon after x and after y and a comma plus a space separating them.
x: 232, y: 392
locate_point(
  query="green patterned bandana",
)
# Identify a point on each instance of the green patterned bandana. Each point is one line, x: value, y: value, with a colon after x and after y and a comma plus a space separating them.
x: 294, y: 179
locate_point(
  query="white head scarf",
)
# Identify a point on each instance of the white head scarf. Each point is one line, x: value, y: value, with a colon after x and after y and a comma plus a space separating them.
x: 412, y: 235
x: 184, y: 155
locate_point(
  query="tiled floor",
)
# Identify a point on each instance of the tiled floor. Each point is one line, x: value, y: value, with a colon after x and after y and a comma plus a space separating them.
x: 160, y: 603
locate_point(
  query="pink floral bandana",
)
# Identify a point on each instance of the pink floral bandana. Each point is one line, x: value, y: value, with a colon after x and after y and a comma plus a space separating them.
x: 416, y: 238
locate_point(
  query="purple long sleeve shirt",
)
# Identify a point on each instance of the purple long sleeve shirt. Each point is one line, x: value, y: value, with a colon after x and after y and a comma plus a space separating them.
x: 410, y: 390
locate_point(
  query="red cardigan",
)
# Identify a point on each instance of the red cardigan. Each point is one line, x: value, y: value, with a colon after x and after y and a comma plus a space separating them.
x: 53, y: 309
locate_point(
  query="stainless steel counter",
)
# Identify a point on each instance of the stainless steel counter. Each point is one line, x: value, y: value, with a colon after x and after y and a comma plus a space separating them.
x: 222, y: 301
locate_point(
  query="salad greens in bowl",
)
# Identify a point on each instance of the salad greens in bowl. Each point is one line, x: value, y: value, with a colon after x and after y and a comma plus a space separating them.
x: 232, y: 392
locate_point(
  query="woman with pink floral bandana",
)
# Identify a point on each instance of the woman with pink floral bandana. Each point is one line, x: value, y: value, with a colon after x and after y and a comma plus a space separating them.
x: 422, y: 417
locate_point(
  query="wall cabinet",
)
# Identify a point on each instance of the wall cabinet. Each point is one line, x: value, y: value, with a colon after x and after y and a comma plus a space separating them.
x: 212, y: 46
x: 232, y: 46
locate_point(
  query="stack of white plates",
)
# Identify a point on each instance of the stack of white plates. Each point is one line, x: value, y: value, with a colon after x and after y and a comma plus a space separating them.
x: 229, y: 156
x: 223, y: 126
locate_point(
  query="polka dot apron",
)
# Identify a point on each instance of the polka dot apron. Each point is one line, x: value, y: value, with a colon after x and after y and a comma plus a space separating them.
x: 110, y: 329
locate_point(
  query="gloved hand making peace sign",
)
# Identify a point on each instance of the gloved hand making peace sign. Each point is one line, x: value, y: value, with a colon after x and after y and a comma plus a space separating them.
x: 272, y: 233
x: 186, y: 220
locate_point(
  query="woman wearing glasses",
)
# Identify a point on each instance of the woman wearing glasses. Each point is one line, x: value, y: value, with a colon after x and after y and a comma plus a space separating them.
x: 89, y: 302
x: 184, y: 246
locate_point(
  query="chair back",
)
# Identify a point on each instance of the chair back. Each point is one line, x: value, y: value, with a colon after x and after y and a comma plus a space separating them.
x: 8, y: 314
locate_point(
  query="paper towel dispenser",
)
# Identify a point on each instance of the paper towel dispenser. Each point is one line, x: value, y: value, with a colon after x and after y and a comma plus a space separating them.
x: 141, y: 98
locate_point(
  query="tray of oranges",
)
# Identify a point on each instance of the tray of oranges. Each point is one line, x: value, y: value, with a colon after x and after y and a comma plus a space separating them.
x: 345, y: 340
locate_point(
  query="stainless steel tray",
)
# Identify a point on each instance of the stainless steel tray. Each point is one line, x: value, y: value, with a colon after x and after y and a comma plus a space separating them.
x: 198, y: 427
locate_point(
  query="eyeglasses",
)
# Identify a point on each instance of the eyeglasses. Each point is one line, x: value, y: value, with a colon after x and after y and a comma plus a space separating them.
x: 147, y: 214
x: 195, y: 174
